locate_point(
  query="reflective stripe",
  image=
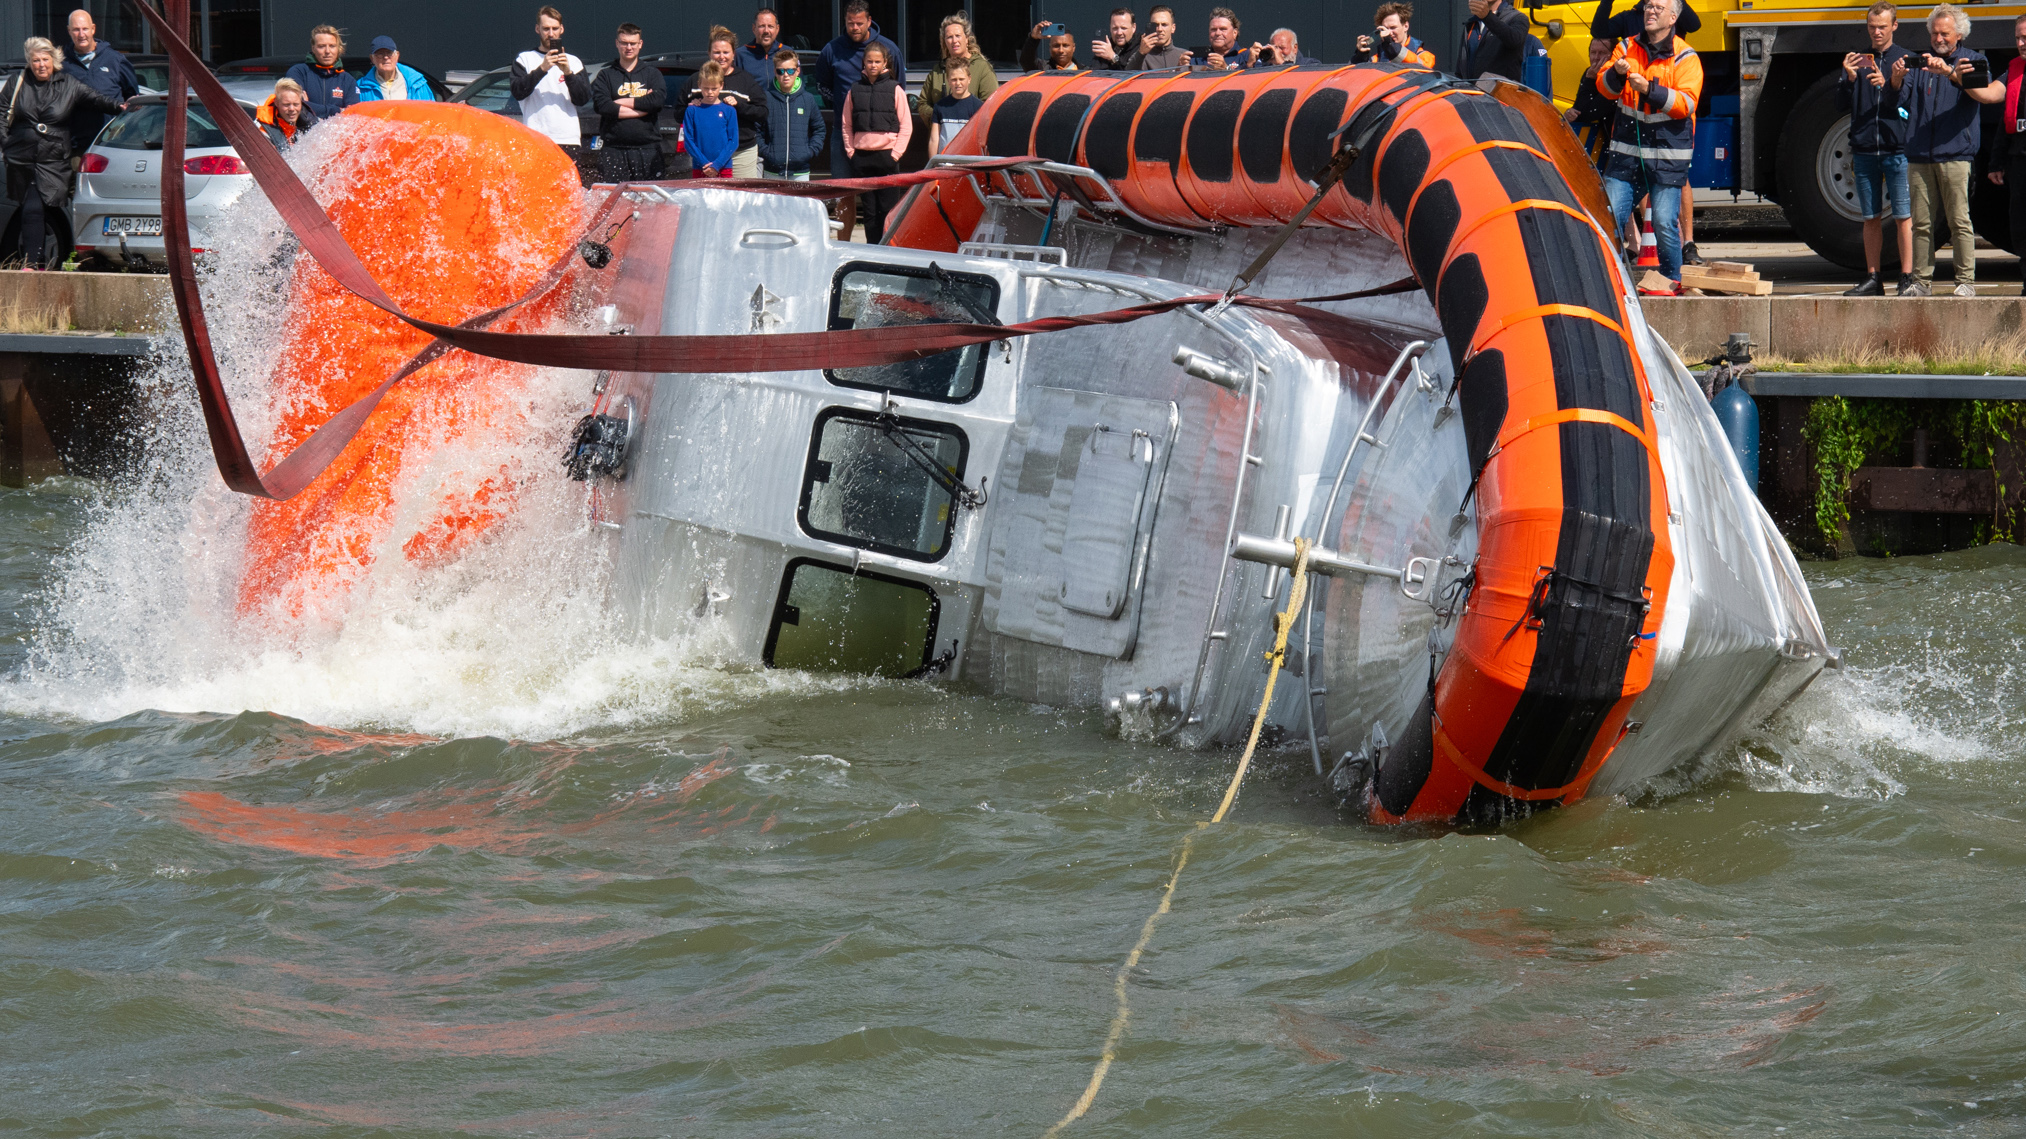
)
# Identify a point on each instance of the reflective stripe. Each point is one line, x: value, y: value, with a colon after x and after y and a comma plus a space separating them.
x: 1651, y: 151
x: 1666, y: 103
x: 1644, y: 116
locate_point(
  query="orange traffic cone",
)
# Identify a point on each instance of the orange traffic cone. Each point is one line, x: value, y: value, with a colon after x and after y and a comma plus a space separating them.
x: 1649, y: 250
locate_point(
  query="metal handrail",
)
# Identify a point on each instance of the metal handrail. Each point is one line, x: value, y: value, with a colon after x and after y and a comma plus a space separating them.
x: 1047, y: 166
x: 1414, y: 352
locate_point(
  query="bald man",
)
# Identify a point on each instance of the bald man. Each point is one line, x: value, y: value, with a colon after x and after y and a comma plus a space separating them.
x: 100, y: 68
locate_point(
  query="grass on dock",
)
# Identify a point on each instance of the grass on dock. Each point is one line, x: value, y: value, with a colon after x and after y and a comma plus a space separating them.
x: 2001, y: 357
x: 15, y: 316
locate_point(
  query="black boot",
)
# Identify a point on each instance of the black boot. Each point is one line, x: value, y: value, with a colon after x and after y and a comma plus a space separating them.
x: 1688, y: 254
x: 1870, y: 286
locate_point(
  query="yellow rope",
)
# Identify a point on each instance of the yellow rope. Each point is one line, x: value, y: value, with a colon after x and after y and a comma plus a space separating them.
x: 1282, y: 622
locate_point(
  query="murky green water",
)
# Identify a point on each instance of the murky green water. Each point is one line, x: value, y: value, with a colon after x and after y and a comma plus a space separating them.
x: 760, y: 904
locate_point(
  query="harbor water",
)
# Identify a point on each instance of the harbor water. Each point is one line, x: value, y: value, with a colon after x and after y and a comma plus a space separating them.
x: 471, y: 864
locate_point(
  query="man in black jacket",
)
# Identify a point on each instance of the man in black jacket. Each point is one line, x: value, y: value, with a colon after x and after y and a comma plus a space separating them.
x: 1494, y: 41
x: 1870, y: 86
x: 629, y: 96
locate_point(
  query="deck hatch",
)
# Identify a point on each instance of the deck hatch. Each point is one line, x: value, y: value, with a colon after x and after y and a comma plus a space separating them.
x: 1073, y: 519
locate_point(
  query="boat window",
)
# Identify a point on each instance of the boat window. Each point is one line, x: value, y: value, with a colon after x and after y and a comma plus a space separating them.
x: 883, y: 296
x: 829, y: 619
x: 868, y: 483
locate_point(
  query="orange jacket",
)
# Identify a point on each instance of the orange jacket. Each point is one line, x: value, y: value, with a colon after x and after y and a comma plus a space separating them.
x: 1655, y: 131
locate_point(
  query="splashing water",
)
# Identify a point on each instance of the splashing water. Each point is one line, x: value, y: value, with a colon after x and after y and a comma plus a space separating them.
x: 160, y: 605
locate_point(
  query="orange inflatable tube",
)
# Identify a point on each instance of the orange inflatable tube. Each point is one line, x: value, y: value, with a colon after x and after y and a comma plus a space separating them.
x: 1556, y: 637
x: 447, y: 241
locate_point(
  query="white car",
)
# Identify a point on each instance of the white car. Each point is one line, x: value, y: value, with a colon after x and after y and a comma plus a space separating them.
x: 117, y: 210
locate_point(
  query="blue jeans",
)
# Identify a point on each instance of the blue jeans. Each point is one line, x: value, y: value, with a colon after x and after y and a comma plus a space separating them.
x: 1882, y: 185
x: 1666, y: 203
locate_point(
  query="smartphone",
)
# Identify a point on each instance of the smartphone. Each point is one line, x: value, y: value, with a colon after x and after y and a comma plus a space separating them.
x: 1056, y: 30
x: 1979, y: 76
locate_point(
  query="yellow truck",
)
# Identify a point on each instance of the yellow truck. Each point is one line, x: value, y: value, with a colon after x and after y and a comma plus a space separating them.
x: 1769, y: 121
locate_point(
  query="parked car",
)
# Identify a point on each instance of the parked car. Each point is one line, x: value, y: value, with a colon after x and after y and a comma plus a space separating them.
x: 117, y: 210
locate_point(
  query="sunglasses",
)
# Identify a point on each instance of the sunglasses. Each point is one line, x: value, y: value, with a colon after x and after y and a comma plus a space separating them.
x: 787, y: 71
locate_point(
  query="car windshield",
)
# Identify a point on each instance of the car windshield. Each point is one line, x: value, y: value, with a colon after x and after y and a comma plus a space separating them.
x: 493, y: 93
x: 141, y: 129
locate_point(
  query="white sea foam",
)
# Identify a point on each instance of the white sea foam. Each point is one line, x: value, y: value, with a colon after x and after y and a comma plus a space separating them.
x: 513, y: 638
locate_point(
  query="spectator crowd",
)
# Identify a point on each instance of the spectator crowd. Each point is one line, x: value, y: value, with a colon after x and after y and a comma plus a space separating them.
x: 757, y: 109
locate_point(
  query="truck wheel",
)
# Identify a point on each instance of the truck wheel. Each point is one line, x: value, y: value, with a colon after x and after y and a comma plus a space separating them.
x: 1818, y: 185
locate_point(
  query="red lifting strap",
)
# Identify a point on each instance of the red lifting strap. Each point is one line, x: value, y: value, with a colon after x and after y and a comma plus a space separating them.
x: 1352, y: 342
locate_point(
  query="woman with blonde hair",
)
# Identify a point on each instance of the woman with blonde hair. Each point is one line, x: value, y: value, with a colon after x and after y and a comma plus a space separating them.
x: 958, y: 42
x: 37, y: 107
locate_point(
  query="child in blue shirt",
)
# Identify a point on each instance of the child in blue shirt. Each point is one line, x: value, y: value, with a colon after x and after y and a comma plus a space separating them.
x: 710, y: 127
x: 955, y: 109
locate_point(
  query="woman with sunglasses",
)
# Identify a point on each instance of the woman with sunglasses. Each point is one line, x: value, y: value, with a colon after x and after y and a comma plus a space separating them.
x: 792, y: 132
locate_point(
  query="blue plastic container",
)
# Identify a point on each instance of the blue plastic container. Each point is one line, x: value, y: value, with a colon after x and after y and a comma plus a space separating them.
x: 1740, y: 419
x: 1537, y: 73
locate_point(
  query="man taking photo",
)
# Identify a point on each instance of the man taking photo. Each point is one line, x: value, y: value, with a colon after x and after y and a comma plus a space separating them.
x: 1942, y: 92
x: 1118, y: 50
x: 1656, y: 80
x: 550, y: 84
x: 1157, y: 48
x: 1224, y: 54
x: 1870, y: 87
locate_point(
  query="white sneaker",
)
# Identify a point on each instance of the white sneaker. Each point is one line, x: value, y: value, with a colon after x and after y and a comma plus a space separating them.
x: 1966, y: 290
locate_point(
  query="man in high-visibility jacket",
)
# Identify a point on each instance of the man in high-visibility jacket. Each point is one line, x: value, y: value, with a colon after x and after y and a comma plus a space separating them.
x: 1656, y: 80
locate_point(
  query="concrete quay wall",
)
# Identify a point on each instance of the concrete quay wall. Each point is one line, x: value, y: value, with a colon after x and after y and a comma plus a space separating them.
x: 1809, y: 327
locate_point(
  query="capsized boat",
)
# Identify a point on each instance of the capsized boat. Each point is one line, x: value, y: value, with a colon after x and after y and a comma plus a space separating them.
x: 1541, y: 575
x: 1545, y: 575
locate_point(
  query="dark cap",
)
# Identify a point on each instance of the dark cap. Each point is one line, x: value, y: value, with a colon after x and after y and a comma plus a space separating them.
x: 384, y: 43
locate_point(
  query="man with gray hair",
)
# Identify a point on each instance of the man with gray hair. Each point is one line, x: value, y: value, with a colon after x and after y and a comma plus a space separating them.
x: 1280, y: 47
x: 1943, y: 135
x: 1656, y: 80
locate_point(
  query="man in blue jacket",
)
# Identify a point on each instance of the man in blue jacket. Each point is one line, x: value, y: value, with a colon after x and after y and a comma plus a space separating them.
x: 329, y: 89
x: 392, y: 79
x: 100, y: 68
x: 841, y: 65
x: 757, y: 58
x: 1943, y: 135
x: 1870, y: 87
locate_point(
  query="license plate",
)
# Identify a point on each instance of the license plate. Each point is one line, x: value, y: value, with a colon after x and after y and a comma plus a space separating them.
x: 133, y: 227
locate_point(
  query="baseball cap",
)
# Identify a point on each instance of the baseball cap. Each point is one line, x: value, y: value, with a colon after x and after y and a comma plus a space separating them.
x: 384, y: 43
